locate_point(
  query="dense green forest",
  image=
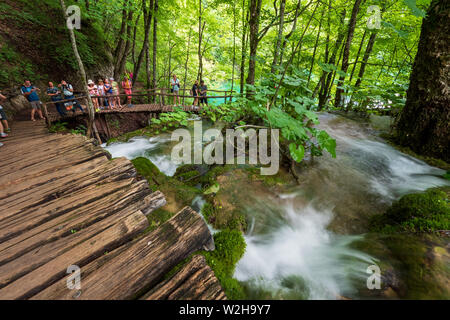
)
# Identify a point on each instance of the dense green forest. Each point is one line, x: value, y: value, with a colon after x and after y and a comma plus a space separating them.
x: 359, y: 90
x: 309, y: 55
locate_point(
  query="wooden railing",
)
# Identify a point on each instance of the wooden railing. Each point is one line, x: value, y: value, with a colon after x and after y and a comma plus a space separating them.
x: 158, y: 92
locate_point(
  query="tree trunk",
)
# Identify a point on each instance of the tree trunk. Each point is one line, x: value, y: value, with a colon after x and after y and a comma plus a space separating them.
x: 348, y: 43
x: 234, y: 47
x: 357, y: 56
x: 91, y: 123
x: 186, y: 65
x: 327, y: 76
x: 294, y: 26
x: 365, y: 59
x: 155, y: 46
x: 255, y: 13
x: 280, y: 36
x: 315, y: 48
x: 147, y: 26
x: 424, y: 121
x: 244, y: 45
x: 121, y: 63
x: 201, y: 28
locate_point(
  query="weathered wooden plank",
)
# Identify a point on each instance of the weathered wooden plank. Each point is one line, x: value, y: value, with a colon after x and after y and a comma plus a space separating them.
x: 134, y: 200
x: 29, y: 218
x: 195, y: 281
x: 56, y: 184
x: 54, y: 270
x: 142, y: 264
x: 49, y: 165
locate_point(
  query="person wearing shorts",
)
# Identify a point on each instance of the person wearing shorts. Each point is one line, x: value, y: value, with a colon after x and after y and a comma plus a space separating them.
x: 3, y: 117
x: 29, y: 91
x: 127, y: 86
x: 175, y: 83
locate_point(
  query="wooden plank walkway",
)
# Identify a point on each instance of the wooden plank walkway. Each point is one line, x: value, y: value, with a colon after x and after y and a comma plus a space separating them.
x: 63, y: 203
x: 152, y: 108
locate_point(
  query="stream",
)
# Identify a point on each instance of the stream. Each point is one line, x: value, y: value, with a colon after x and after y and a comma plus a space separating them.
x: 309, y: 241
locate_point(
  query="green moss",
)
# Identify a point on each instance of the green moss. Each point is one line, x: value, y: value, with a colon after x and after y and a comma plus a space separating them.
x: 420, y: 212
x: 230, y: 247
x: 157, y: 218
x: 183, y: 194
x: 210, y: 177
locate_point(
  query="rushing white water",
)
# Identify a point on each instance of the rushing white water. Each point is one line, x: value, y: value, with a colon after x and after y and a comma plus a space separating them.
x: 291, y: 251
x: 151, y: 148
x: 294, y: 254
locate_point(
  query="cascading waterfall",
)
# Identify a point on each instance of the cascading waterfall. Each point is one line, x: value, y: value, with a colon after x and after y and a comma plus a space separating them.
x: 299, y: 246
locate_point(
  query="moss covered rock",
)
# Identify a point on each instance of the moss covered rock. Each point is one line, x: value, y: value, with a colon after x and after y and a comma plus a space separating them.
x: 419, y: 212
x: 178, y: 194
x: 230, y: 248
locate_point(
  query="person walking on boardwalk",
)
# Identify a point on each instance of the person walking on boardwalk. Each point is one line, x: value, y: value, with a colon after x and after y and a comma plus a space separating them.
x: 3, y: 117
x: 29, y: 91
x: 203, y: 93
x: 55, y: 95
x: 175, y: 83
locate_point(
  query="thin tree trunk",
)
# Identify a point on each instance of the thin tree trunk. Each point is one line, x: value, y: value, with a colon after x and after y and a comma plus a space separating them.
x: 280, y: 36
x: 291, y: 59
x: 91, y: 123
x: 155, y: 46
x: 133, y: 49
x: 201, y: 28
x: 255, y: 13
x: 327, y: 76
x: 234, y: 47
x: 357, y: 56
x: 294, y: 26
x: 244, y: 45
x: 364, y: 61
x: 145, y: 46
x: 348, y: 43
x: 315, y: 47
x: 186, y: 65
x: 119, y: 69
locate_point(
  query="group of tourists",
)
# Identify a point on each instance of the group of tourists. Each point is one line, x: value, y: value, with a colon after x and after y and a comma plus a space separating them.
x: 199, y: 91
x: 104, y: 94
x: 64, y: 99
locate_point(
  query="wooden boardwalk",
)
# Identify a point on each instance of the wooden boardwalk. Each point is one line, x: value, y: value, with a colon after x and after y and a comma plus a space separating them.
x: 64, y: 203
x: 151, y: 108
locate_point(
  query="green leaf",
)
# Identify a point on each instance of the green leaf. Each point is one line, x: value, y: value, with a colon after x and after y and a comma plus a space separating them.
x: 415, y: 10
x: 297, y: 153
x: 213, y: 189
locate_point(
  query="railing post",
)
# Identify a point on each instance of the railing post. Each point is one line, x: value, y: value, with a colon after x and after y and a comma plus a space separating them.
x: 47, y: 119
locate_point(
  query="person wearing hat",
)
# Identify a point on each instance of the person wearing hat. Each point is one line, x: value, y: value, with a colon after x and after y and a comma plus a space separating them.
x: 93, y: 92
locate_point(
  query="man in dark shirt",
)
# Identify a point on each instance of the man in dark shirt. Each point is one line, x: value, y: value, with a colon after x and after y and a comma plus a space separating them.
x: 55, y: 95
x: 203, y: 93
x: 195, y: 92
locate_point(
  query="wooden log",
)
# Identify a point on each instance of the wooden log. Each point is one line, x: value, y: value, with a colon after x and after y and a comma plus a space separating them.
x: 54, y: 270
x: 63, y: 226
x: 195, y: 281
x: 142, y: 264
